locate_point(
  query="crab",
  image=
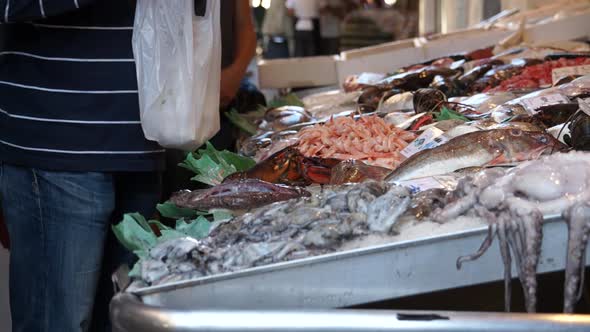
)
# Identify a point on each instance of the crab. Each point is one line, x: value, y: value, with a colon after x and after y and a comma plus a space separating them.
x: 290, y: 167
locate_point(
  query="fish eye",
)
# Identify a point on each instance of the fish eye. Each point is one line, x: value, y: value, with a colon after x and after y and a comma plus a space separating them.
x: 515, y: 132
x: 543, y: 139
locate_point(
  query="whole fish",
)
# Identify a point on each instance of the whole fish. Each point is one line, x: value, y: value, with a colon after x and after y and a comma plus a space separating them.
x: 524, y: 126
x: 481, y: 148
x: 490, y: 124
x: 237, y: 195
x: 280, y: 118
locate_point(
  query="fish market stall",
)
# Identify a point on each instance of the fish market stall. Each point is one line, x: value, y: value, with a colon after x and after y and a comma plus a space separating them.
x: 461, y: 170
x: 353, y: 277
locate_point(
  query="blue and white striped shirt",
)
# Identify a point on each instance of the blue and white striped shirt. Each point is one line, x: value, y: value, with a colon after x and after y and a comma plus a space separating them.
x: 68, y: 89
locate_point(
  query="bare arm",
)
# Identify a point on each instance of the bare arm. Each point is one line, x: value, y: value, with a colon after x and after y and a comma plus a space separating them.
x: 290, y: 6
x: 13, y: 11
x: 245, y: 39
x: 246, y: 36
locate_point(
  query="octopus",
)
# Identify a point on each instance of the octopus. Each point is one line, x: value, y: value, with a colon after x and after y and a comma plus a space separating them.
x: 513, y: 204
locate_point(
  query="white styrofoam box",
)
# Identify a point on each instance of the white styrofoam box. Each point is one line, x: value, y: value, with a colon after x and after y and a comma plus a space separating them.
x: 5, y: 324
x: 379, y: 59
x: 297, y: 72
x: 377, y: 49
x: 568, y: 28
x: 461, y: 41
x: 392, y: 56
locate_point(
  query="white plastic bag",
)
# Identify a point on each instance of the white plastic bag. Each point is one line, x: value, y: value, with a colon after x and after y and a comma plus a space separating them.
x: 178, y: 63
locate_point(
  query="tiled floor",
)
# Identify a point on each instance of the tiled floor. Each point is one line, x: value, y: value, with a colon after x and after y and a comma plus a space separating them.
x: 4, y: 309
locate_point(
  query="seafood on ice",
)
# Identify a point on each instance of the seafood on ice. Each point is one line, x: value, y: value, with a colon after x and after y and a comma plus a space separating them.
x: 237, y: 195
x: 536, y: 76
x: 479, y: 148
x: 281, y: 231
x: 514, y: 202
x: 281, y: 118
x: 289, y: 166
x: 369, y: 139
x: 352, y: 171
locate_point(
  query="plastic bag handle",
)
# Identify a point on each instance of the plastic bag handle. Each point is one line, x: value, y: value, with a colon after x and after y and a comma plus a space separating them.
x: 200, y: 7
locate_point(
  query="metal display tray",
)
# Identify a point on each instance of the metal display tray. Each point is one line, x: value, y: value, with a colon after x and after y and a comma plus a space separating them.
x: 128, y: 314
x: 356, y: 277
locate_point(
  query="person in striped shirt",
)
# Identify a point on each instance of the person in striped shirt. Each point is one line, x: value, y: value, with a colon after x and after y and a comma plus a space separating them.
x: 73, y: 156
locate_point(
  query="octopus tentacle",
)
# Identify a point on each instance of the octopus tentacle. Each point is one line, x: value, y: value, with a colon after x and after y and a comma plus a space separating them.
x: 578, y: 231
x: 454, y: 209
x: 517, y: 241
x: 507, y: 260
x: 519, y: 254
x: 485, y: 245
x: 582, y: 277
x: 532, y: 225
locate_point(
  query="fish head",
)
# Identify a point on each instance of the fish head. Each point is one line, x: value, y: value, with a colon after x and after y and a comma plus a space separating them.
x: 519, y: 145
x: 546, y: 143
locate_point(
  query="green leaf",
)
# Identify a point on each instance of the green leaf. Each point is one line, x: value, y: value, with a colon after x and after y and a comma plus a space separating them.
x: 159, y: 225
x: 241, y: 163
x: 288, y: 100
x: 241, y: 122
x: 212, y: 166
x: 141, y: 254
x: 197, y: 228
x: 141, y: 221
x: 212, y: 173
x: 258, y: 113
x: 448, y: 114
x: 135, y: 271
x: 190, y: 163
x: 134, y: 232
x: 169, y: 210
x: 170, y: 234
x: 221, y: 215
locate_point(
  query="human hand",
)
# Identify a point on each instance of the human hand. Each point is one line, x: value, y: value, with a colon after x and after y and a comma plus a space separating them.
x: 230, y: 83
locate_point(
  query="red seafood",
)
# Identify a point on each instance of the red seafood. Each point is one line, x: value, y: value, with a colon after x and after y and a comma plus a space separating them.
x: 353, y: 171
x: 369, y: 139
x: 536, y: 76
x: 290, y: 167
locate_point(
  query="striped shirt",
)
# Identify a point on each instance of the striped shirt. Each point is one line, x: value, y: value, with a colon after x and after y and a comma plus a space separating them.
x: 68, y: 88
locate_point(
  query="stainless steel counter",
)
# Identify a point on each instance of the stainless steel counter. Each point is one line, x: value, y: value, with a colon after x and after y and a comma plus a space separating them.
x: 130, y: 315
x: 355, y: 277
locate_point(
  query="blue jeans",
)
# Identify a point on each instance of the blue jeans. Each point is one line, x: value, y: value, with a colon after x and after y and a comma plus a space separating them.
x: 62, y: 249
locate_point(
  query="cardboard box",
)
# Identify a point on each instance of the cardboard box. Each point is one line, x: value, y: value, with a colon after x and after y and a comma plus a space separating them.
x: 297, y: 72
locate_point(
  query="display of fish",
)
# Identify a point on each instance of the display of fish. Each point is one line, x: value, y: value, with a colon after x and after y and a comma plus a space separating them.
x: 237, y: 195
x: 489, y: 147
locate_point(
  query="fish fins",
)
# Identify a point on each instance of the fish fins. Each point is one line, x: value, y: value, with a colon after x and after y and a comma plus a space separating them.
x: 499, y: 160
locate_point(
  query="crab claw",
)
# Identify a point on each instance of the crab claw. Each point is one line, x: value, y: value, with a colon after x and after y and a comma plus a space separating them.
x: 317, y: 170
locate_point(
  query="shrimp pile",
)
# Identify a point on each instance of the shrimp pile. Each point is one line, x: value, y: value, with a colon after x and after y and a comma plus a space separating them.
x: 369, y: 139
